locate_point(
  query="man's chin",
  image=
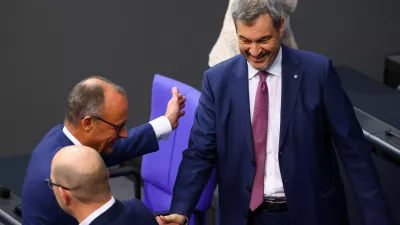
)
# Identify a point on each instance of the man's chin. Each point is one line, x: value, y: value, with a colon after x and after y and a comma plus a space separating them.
x: 259, y: 65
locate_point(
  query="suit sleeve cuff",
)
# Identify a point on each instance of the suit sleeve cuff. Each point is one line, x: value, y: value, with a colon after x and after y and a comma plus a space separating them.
x: 162, y: 127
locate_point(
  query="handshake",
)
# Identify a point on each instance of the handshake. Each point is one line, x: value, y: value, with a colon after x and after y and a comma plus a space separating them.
x: 172, y: 219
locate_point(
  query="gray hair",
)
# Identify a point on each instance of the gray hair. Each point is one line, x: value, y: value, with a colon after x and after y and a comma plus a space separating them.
x: 87, y: 99
x: 247, y: 11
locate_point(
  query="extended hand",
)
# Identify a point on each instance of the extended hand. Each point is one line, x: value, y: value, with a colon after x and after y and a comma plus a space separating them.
x: 174, y: 108
x: 173, y: 219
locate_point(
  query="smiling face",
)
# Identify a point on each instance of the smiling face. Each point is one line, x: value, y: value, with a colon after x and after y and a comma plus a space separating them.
x: 107, y: 130
x: 100, y: 130
x: 259, y: 41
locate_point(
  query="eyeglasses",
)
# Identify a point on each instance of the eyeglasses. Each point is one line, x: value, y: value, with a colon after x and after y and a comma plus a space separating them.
x: 51, y: 184
x: 116, y: 127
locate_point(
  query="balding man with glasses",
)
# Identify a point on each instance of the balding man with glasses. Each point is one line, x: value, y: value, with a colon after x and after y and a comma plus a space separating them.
x: 96, y: 113
x: 79, y: 181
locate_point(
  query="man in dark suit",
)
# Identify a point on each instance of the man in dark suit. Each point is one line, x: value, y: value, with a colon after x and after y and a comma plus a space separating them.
x: 79, y: 180
x: 97, y: 110
x: 269, y: 120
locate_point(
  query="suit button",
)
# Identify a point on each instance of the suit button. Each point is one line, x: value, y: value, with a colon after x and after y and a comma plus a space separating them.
x: 248, y: 188
x: 253, y: 162
x: 245, y: 215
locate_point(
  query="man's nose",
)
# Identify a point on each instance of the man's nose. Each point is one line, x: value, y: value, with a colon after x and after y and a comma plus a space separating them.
x: 123, y: 133
x: 254, y: 50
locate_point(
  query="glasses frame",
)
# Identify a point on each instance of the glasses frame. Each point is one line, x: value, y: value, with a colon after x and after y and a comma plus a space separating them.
x: 117, y: 128
x: 51, y: 184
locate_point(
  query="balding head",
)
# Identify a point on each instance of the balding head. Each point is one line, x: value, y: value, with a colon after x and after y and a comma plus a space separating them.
x: 87, y: 98
x: 82, y: 170
x: 97, y: 111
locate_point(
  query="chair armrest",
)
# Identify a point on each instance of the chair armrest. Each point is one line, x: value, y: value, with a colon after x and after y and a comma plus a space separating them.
x: 8, y: 203
x: 123, y: 171
x: 129, y: 171
x: 8, y: 219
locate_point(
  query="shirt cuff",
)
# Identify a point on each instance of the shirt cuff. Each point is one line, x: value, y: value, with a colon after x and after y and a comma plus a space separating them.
x: 162, y: 127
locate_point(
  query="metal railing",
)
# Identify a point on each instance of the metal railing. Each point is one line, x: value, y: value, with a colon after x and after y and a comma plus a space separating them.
x: 382, y: 136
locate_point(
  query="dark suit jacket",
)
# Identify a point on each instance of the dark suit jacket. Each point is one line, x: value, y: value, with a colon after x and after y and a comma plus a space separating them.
x: 131, y: 212
x: 314, y: 111
x: 38, y: 201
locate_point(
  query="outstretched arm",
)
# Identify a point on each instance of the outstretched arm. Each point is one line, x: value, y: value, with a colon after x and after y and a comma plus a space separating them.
x: 198, y: 160
x: 144, y: 138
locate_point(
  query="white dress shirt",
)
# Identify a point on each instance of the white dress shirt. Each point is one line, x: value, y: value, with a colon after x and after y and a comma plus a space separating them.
x: 98, y: 212
x: 273, y: 186
x: 161, y: 125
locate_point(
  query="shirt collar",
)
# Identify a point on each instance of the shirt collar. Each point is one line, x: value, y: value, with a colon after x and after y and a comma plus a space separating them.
x: 275, y: 69
x: 103, y: 208
x: 98, y: 212
x: 70, y: 136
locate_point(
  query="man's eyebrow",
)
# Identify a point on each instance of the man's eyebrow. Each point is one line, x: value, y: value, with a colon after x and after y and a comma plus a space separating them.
x: 242, y: 37
x: 260, y: 39
x: 265, y: 37
x: 123, y: 123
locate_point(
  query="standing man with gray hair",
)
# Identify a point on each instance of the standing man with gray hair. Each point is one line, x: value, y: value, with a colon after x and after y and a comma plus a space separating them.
x: 227, y: 46
x: 79, y: 181
x: 96, y: 113
x: 272, y: 120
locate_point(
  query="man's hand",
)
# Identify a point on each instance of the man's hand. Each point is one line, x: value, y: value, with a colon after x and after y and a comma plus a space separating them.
x: 174, y: 108
x: 173, y: 219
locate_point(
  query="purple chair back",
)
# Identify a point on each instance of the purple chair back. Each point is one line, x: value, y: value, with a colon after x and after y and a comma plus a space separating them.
x: 159, y: 169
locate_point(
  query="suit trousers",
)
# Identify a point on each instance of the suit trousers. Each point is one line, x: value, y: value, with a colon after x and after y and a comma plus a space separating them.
x: 260, y: 217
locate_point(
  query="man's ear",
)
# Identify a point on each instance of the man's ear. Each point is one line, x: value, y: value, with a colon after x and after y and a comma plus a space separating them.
x: 87, y: 123
x: 65, y: 195
x: 282, y: 27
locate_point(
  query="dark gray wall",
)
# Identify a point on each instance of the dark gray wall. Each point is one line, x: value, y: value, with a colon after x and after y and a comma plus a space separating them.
x: 358, y: 33
x: 48, y: 46
x: 54, y: 44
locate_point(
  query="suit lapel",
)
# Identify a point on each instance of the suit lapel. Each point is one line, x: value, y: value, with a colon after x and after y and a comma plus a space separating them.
x: 291, y: 80
x: 240, y: 95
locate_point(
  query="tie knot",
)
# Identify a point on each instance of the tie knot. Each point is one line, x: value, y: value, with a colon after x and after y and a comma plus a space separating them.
x: 263, y: 75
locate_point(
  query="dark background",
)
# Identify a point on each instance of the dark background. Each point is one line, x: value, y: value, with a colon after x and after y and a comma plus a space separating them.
x: 48, y: 46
